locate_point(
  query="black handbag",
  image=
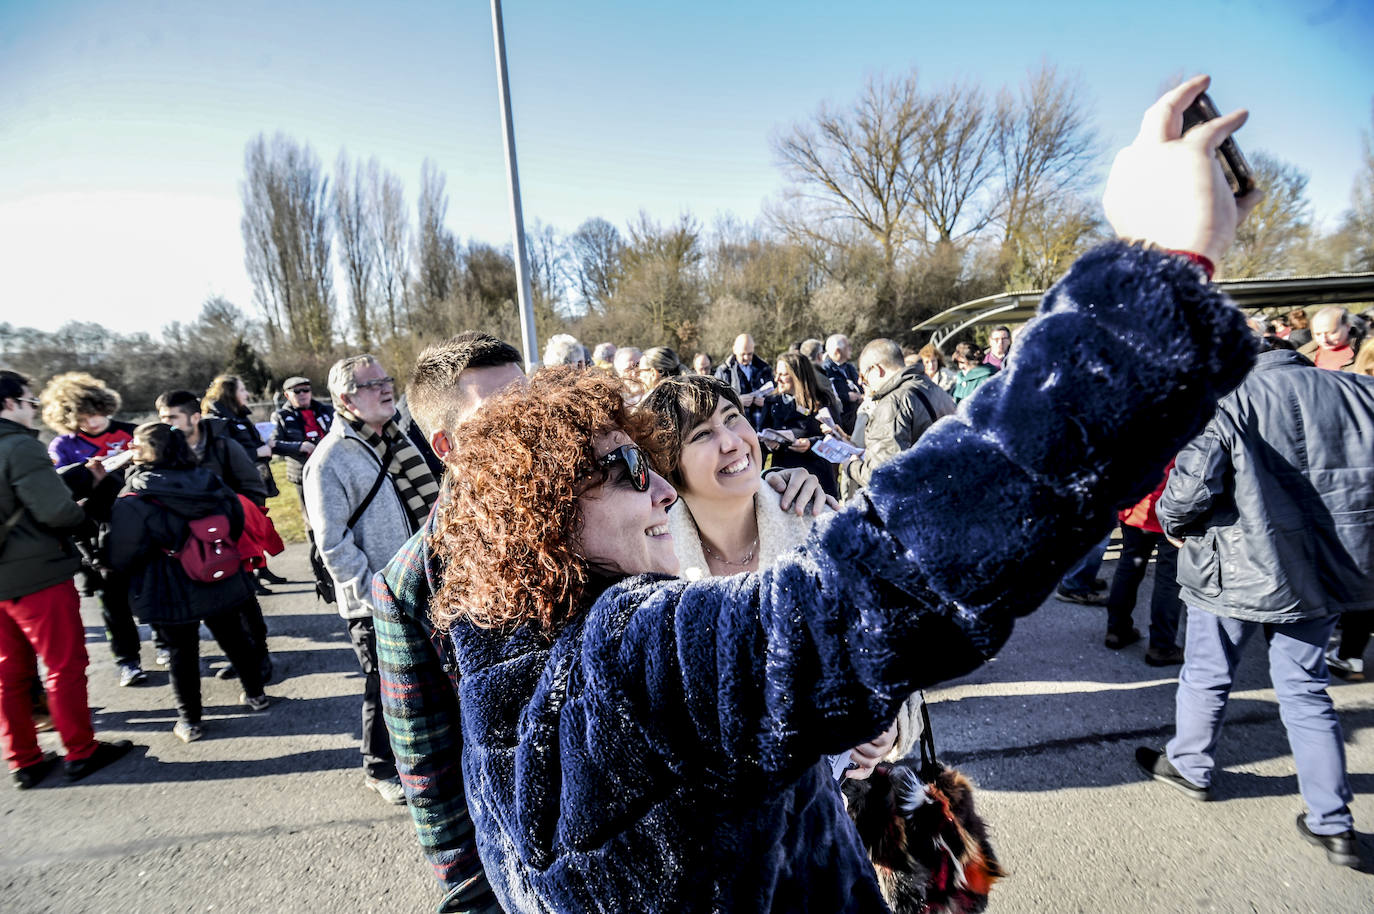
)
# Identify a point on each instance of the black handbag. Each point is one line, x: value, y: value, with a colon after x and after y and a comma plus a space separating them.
x: 929, y: 848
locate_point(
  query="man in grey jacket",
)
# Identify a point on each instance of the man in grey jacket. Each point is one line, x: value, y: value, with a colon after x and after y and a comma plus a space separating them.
x: 1274, y: 502
x: 367, y: 490
x: 905, y: 404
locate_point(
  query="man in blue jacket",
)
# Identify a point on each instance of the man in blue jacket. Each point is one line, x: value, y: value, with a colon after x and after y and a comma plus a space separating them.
x: 1274, y: 502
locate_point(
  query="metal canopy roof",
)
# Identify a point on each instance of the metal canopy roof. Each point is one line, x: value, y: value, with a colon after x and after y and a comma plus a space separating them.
x: 1251, y: 295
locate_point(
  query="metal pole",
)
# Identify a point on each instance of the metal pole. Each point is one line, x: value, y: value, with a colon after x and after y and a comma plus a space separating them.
x: 528, y: 341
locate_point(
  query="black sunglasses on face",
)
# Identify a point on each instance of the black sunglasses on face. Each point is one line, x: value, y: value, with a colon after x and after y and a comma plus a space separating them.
x: 300, y: 390
x: 375, y: 383
x: 636, y: 465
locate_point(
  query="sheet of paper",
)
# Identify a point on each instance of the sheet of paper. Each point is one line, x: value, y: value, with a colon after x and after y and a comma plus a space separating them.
x: 265, y: 429
x: 835, y: 450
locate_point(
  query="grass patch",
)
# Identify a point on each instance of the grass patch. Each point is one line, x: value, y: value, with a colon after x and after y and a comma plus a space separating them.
x: 285, y: 509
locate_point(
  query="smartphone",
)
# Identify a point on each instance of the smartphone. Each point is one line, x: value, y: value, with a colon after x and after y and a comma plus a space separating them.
x: 1233, y: 164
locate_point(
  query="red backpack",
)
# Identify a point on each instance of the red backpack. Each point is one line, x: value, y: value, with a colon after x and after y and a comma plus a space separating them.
x: 208, y: 555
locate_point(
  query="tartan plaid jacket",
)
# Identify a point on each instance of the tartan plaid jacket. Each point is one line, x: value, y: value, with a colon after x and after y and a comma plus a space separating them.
x: 420, y: 703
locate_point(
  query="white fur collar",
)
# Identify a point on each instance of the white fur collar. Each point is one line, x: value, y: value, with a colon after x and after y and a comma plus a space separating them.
x: 779, y: 531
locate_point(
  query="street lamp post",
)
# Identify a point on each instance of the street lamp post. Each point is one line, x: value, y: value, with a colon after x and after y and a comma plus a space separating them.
x: 528, y: 340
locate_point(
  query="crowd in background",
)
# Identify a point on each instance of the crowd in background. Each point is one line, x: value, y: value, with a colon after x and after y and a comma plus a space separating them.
x: 126, y: 526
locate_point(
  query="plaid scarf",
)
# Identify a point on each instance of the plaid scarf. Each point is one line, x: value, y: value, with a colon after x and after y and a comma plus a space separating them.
x: 409, y: 473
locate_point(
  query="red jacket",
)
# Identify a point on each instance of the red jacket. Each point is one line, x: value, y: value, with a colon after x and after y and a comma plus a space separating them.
x: 260, y: 537
x: 1142, y: 515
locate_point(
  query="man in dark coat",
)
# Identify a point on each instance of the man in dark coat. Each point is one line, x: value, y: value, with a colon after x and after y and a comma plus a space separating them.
x: 299, y: 426
x: 746, y: 374
x: 1274, y: 502
x: 39, y: 607
x: 905, y: 404
x: 844, y: 378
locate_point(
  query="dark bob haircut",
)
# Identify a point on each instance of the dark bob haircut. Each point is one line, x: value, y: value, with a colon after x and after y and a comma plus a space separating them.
x: 679, y: 405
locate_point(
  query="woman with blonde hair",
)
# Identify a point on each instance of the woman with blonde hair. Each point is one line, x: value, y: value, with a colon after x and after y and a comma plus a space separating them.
x: 933, y: 363
x: 658, y: 363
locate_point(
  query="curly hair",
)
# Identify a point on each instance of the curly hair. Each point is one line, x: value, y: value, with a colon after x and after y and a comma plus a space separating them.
x: 508, y: 533
x: 224, y: 392
x: 70, y: 396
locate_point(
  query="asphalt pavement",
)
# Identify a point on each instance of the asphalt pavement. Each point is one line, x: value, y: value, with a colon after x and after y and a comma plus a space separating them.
x: 269, y: 813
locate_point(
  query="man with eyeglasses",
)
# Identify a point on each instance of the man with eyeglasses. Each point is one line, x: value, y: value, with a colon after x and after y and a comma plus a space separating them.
x: 39, y: 608
x: 367, y: 489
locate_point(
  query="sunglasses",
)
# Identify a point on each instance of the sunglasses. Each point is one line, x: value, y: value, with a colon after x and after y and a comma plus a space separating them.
x: 32, y: 401
x: 636, y: 465
x: 373, y: 385
x: 303, y: 390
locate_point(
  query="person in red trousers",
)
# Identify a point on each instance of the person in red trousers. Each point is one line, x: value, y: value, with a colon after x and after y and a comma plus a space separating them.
x: 39, y: 607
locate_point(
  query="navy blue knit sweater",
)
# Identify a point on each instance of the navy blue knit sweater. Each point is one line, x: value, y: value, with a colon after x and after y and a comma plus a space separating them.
x: 663, y: 753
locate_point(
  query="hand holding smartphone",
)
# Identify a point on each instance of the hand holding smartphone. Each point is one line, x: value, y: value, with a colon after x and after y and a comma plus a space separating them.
x: 1233, y: 163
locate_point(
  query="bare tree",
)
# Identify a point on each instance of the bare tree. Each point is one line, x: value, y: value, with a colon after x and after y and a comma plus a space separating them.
x: 953, y: 164
x: 659, y: 296
x: 287, y: 242
x: 389, y: 228
x: 1358, y: 225
x: 595, y: 249
x: 436, y: 249
x: 1044, y: 145
x: 1273, y: 238
x: 856, y: 166
x: 355, y: 248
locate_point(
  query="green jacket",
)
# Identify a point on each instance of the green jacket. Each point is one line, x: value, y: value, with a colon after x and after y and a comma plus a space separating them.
x: 971, y: 380
x: 36, y: 552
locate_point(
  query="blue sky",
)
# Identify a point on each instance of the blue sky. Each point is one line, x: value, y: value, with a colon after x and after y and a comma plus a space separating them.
x: 122, y: 125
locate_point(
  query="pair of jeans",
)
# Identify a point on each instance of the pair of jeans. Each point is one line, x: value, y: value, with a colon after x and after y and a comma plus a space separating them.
x: 46, y: 623
x: 118, y: 616
x: 183, y: 643
x: 1082, y: 578
x: 1297, y: 668
x: 1166, y: 607
x: 1355, y: 629
x: 378, y: 760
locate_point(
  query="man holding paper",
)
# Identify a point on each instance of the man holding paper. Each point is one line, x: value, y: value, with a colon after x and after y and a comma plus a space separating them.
x: 751, y: 378
x: 905, y: 404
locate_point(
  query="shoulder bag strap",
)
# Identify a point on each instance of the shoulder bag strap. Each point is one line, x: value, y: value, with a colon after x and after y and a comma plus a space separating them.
x: 371, y: 493
x: 930, y: 410
x: 930, y: 766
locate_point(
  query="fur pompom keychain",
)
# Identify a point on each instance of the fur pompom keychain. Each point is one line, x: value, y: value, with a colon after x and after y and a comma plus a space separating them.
x: 929, y: 848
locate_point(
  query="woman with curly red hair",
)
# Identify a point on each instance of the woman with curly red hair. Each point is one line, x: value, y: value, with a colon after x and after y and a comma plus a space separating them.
x: 636, y: 742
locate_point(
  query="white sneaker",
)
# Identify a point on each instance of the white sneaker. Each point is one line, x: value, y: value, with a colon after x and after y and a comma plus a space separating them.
x: 388, y: 789
x: 1348, y: 668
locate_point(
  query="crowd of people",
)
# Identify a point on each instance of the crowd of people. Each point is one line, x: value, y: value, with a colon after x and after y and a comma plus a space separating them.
x: 626, y: 625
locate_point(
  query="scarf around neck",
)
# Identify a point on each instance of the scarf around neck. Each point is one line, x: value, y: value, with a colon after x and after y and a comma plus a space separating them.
x: 415, y: 484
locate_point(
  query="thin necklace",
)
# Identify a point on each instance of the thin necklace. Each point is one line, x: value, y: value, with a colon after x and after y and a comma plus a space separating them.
x: 748, y: 556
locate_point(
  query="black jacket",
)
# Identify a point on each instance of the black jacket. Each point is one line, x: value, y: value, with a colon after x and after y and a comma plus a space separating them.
x: 149, y: 518
x: 243, y: 430
x: 1275, y: 499
x: 844, y: 379
x: 731, y: 372
x: 290, y: 434
x: 227, y: 459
